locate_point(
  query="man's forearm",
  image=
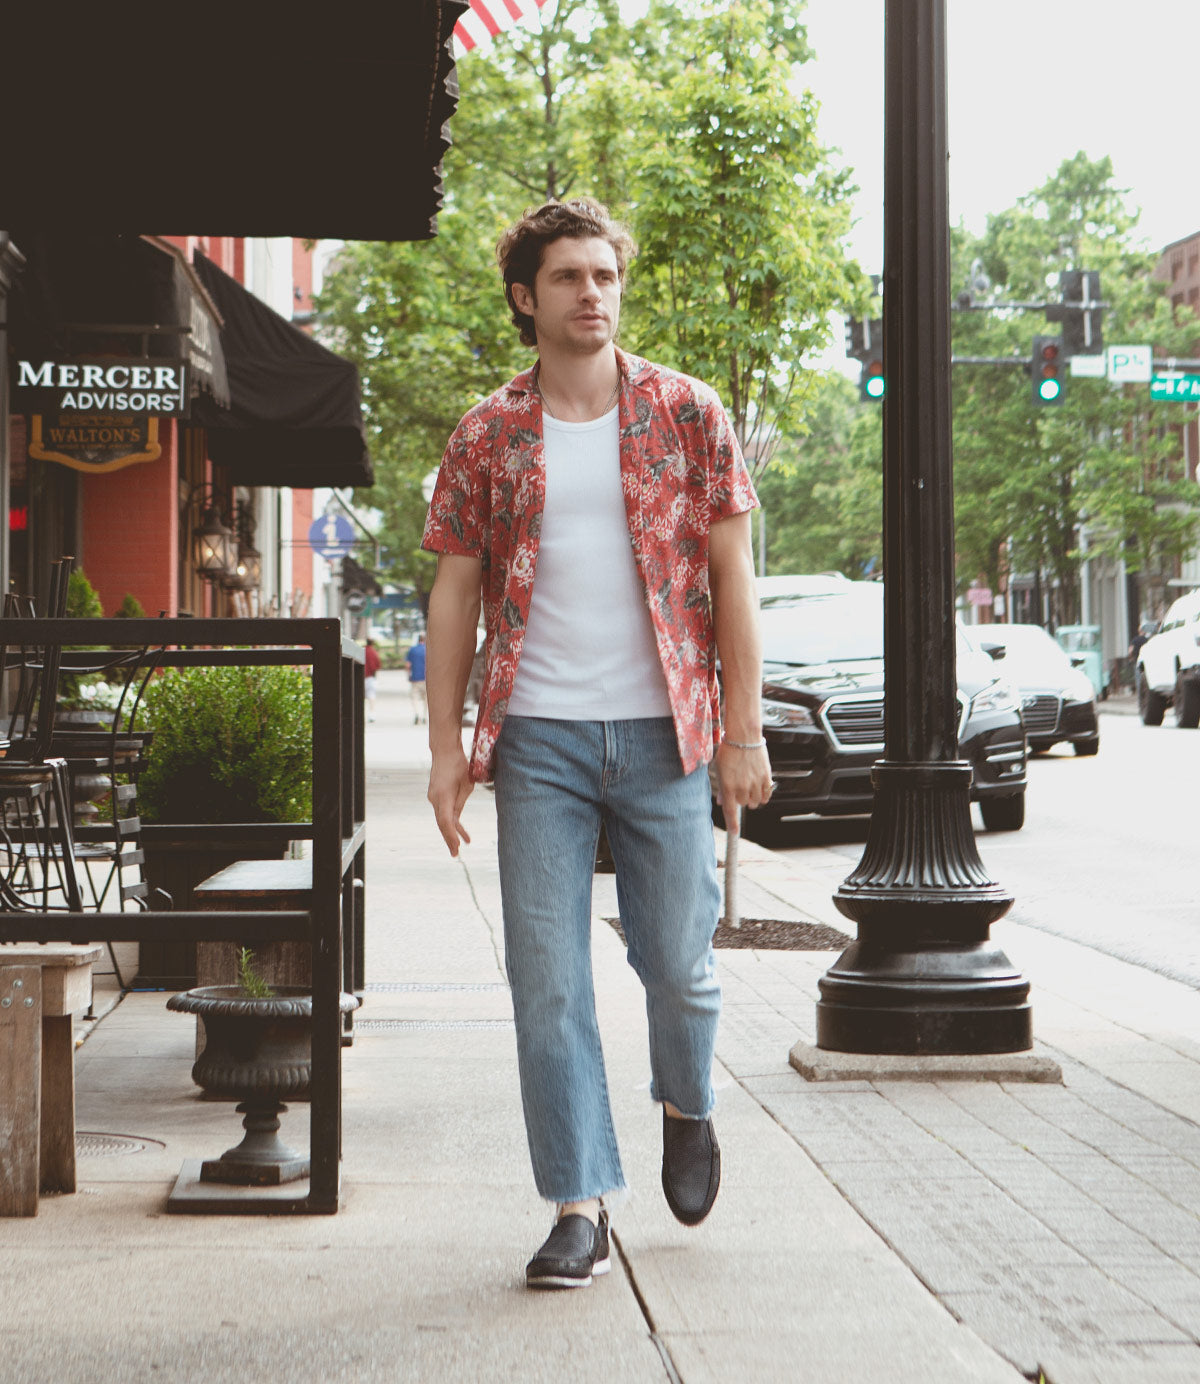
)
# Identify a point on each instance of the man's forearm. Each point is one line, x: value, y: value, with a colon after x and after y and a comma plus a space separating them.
x: 739, y: 641
x: 452, y: 626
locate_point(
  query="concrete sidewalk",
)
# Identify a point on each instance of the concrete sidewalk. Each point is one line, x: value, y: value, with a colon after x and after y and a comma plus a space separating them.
x: 880, y: 1232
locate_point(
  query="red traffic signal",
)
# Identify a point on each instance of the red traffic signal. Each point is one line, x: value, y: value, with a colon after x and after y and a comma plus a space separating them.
x: 1048, y: 368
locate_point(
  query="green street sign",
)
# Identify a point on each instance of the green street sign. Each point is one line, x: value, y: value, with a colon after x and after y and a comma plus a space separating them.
x: 1175, y: 386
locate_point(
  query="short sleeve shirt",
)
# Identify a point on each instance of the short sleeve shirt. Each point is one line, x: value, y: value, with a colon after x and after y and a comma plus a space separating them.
x: 681, y: 470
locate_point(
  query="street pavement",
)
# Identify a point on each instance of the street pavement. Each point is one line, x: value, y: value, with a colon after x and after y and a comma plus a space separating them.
x: 876, y: 1231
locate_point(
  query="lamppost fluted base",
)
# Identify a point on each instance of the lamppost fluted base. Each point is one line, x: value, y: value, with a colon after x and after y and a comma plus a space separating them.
x: 923, y: 976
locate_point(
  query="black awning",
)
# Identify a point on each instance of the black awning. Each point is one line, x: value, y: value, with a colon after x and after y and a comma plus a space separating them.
x: 148, y: 116
x: 294, y: 416
x: 84, y: 293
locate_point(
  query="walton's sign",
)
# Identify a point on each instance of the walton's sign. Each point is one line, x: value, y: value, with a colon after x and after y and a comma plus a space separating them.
x: 99, y: 413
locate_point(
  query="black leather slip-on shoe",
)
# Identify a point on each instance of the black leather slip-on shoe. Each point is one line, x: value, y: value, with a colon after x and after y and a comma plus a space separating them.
x: 574, y: 1253
x: 691, y: 1168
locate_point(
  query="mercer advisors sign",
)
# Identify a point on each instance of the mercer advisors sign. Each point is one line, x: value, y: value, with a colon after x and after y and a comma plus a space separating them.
x: 100, y: 413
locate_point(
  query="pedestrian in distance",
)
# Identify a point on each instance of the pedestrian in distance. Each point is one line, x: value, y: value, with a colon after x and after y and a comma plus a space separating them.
x: 620, y: 484
x: 370, y: 675
x: 415, y: 659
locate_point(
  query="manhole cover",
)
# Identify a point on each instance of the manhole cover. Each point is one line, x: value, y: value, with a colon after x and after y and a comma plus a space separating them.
x: 92, y: 1145
x: 400, y: 1025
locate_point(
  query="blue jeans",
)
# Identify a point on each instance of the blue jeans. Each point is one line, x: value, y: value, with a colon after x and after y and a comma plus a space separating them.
x: 556, y: 781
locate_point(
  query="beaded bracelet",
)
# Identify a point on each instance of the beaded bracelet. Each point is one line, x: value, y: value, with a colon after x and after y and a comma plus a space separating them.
x: 741, y: 745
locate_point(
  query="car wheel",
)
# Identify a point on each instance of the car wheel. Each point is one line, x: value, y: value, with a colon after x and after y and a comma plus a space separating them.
x: 1003, y: 814
x: 1089, y: 746
x: 1187, y: 703
x: 1151, y: 706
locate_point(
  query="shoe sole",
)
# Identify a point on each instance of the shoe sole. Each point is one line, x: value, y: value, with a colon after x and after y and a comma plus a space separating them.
x: 599, y: 1269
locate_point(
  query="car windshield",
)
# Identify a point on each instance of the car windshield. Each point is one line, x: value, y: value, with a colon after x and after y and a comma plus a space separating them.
x: 846, y: 626
x: 1032, y: 655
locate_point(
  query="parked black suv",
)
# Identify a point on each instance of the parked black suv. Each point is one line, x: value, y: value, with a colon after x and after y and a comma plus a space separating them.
x: 822, y: 703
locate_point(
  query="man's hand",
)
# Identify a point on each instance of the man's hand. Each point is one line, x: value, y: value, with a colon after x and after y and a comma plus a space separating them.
x: 743, y: 780
x: 450, y: 786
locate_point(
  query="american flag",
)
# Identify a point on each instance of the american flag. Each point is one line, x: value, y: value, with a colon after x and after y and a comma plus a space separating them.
x: 486, y: 18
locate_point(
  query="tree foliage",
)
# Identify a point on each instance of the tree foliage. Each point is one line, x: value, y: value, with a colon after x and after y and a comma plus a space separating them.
x: 823, y: 496
x: 1039, y: 489
x: 690, y: 125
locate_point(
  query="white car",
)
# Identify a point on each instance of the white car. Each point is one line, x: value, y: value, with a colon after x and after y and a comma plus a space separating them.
x: 1058, y: 702
x: 1168, y: 666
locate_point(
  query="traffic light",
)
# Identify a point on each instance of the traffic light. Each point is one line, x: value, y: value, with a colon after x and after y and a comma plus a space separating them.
x: 873, y: 386
x: 1081, y: 313
x: 864, y: 343
x: 1048, y: 369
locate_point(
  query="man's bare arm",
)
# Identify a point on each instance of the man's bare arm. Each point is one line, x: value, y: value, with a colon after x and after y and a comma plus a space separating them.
x: 743, y: 776
x: 453, y: 621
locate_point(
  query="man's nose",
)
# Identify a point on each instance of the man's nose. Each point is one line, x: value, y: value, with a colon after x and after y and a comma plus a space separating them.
x: 591, y: 290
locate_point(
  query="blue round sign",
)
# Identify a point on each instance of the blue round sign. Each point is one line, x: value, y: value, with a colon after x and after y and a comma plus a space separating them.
x: 332, y: 535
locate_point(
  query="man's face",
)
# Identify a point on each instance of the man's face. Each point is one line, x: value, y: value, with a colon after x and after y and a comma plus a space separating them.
x: 575, y: 299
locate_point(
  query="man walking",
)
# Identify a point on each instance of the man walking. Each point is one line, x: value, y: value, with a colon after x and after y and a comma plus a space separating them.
x: 415, y: 659
x: 599, y: 508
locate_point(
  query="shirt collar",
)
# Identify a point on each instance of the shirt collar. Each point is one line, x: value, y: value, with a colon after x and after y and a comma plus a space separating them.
x: 631, y: 368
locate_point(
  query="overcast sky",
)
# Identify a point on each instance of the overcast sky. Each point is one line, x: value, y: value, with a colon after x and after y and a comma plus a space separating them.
x: 1132, y: 66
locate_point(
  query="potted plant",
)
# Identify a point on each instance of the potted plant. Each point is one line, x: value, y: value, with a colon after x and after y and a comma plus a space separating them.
x: 258, y: 1051
x: 231, y: 746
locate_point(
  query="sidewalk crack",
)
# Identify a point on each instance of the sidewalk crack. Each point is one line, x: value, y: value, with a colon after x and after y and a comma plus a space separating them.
x: 664, y: 1352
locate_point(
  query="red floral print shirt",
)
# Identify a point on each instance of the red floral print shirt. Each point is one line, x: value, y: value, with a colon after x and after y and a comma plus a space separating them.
x: 681, y: 469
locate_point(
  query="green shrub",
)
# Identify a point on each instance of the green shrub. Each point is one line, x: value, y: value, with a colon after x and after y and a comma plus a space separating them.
x: 82, y: 601
x: 82, y: 604
x: 130, y: 608
x: 230, y: 745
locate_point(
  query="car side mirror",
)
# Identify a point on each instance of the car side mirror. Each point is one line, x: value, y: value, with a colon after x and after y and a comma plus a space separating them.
x: 996, y: 651
x: 1078, y: 661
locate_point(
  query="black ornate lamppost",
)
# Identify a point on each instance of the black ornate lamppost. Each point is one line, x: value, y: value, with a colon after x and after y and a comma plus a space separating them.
x: 923, y: 976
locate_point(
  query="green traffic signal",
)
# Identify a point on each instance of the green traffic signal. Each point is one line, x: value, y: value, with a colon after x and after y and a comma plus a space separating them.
x: 873, y: 386
x: 1047, y: 370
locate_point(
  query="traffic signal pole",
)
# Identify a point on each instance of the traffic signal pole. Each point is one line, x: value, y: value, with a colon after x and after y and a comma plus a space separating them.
x: 923, y: 976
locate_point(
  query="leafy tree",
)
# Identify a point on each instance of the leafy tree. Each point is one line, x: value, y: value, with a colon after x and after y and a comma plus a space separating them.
x: 733, y: 200
x: 823, y: 498
x: 1034, y: 484
x: 740, y: 218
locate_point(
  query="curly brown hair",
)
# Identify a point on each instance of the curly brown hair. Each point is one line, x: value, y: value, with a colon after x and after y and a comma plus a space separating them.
x: 522, y: 247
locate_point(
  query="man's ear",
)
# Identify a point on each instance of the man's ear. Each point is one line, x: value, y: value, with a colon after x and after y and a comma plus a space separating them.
x: 523, y: 298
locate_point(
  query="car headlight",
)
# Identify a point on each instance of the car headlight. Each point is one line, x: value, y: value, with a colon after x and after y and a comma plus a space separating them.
x: 996, y: 696
x: 786, y: 715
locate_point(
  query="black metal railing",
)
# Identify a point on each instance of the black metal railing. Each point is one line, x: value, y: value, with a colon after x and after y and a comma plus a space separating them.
x: 334, y: 924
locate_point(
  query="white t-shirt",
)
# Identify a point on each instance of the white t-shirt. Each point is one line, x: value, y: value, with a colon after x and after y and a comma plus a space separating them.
x: 589, y: 652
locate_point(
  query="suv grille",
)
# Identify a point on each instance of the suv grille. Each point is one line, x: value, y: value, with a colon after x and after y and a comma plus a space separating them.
x: 858, y: 722
x: 1040, y: 714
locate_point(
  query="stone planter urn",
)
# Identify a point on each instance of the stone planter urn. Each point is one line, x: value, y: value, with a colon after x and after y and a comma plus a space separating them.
x: 257, y: 1051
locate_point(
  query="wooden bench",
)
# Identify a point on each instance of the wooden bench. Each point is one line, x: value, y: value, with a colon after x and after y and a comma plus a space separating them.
x: 40, y: 989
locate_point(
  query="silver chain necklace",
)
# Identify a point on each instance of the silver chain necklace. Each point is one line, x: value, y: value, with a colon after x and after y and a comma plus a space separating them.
x: 612, y: 398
